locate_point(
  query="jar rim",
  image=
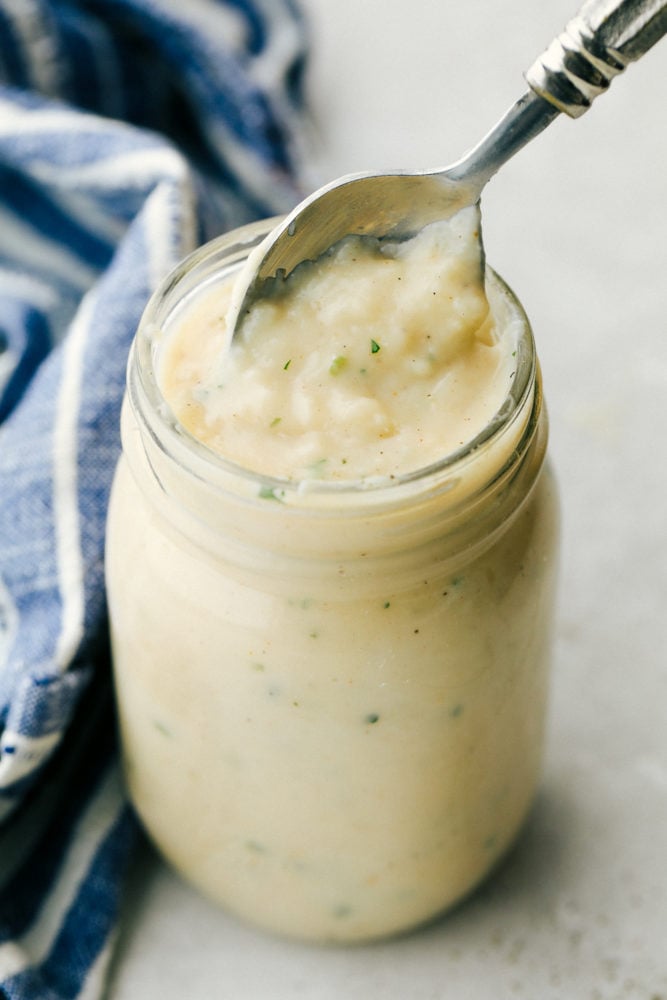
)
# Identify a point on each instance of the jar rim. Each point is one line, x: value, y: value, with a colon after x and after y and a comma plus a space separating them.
x: 148, y: 401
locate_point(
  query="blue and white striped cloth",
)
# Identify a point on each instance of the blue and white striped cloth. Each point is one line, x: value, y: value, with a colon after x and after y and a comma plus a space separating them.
x: 130, y: 132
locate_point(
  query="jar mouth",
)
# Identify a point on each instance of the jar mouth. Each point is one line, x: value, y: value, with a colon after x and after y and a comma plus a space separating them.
x: 515, y: 417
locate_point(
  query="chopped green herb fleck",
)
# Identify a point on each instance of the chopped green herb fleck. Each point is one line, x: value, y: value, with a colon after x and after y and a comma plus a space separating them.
x: 375, y: 347
x: 387, y: 604
x: 338, y: 364
x: 275, y: 421
x: 372, y: 718
x: 456, y: 710
x: 287, y: 364
x: 255, y: 847
x: 301, y: 602
x: 268, y: 493
x: 314, y: 635
x: 161, y: 728
x: 316, y: 469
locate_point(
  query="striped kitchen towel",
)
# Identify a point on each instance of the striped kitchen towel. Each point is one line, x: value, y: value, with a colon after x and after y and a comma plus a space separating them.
x: 130, y: 131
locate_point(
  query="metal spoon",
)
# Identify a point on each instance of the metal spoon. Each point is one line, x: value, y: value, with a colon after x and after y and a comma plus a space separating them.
x: 596, y: 45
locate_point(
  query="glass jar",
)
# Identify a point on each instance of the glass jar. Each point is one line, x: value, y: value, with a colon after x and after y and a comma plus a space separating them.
x: 332, y: 699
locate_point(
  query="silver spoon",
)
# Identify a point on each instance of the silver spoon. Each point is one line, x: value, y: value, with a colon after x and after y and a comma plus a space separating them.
x: 596, y: 45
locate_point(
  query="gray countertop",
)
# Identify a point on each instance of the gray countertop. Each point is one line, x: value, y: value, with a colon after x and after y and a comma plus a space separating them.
x: 576, y: 224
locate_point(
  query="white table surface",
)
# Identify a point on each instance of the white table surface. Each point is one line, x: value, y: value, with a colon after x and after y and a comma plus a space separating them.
x: 576, y: 224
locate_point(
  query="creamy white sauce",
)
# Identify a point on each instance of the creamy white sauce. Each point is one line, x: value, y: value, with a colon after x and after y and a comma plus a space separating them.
x: 373, y: 361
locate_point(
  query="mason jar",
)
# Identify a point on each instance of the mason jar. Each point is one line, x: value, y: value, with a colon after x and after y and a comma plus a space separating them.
x: 331, y: 700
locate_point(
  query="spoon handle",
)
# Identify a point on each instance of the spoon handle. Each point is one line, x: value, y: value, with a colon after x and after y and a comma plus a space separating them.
x: 595, y: 46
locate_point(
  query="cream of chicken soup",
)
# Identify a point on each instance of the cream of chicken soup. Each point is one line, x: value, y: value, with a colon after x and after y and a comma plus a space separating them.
x: 331, y: 560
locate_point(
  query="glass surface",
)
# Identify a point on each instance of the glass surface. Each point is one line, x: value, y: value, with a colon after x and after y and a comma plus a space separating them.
x: 335, y: 701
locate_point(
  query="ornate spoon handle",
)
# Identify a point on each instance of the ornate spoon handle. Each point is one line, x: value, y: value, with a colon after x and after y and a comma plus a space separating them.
x: 595, y: 46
